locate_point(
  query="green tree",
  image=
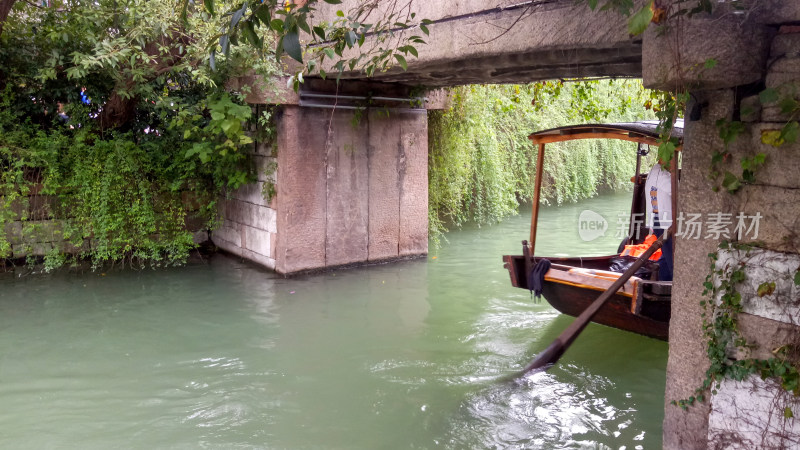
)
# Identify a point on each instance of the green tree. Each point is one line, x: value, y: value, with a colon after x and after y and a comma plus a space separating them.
x: 481, y: 162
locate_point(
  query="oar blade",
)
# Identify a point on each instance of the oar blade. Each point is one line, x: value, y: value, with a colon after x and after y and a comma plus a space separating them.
x: 545, y: 359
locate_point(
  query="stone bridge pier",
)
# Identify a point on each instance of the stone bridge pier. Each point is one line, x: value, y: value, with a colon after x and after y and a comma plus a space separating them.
x: 343, y: 182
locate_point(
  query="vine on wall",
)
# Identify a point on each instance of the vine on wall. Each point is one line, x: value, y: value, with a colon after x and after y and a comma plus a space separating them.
x: 721, y: 308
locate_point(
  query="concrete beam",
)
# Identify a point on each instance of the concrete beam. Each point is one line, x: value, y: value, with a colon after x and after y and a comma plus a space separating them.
x: 472, y: 43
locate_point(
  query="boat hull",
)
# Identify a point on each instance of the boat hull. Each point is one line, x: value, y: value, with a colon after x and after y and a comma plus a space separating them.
x: 571, y: 298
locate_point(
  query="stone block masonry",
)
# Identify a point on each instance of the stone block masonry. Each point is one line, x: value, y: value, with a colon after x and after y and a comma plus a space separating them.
x: 749, y: 413
x: 351, y: 187
x: 35, y: 229
x: 248, y: 215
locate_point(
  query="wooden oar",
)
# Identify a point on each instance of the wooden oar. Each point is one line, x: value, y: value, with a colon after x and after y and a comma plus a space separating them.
x: 554, y: 351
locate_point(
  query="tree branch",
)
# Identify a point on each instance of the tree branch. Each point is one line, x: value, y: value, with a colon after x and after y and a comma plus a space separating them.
x: 5, y: 8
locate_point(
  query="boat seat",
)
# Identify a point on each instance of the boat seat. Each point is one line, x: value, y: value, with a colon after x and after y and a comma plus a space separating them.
x: 607, y: 274
x: 595, y: 279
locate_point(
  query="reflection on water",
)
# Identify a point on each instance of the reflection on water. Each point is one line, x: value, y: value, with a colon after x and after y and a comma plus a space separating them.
x: 418, y: 354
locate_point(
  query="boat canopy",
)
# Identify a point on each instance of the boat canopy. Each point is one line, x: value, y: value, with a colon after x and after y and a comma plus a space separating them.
x: 643, y: 132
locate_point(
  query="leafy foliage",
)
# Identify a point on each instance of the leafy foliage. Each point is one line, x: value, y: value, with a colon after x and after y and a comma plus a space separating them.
x: 379, y: 33
x: 156, y: 133
x: 653, y: 11
x: 481, y: 163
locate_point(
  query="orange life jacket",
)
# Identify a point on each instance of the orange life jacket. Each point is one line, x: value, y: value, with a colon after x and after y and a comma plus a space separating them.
x: 638, y: 249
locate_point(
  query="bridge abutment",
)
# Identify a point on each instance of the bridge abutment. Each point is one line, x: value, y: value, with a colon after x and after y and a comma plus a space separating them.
x: 726, y: 60
x: 351, y: 185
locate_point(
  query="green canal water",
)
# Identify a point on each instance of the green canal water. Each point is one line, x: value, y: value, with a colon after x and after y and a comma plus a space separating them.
x: 418, y: 354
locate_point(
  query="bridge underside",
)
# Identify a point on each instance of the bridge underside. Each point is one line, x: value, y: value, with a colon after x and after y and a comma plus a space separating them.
x: 526, y: 67
x: 516, y: 42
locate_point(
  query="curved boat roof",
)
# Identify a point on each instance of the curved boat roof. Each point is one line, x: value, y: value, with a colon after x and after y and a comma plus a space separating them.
x: 643, y: 132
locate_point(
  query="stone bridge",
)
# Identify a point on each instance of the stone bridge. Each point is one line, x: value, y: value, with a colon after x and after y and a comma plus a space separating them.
x: 350, y: 194
x: 513, y: 41
x: 351, y: 184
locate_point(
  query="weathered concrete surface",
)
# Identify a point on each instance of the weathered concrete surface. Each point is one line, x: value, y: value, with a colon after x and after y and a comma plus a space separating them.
x: 743, y: 414
x: 477, y: 42
x: 347, y: 222
x: 413, y: 169
x: 259, y: 91
x: 677, y: 56
x: 384, y: 193
x: 775, y: 12
x: 350, y: 189
x: 302, y: 191
x: 687, y: 361
x: 765, y: 335
x: 760, y: 423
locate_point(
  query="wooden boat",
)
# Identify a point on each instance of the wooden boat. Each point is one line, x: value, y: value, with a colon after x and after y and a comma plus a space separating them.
x: 642, y: 305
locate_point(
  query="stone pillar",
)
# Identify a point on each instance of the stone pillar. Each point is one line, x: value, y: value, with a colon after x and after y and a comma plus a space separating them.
x: 739, y: 43
x: 351, y: 185
x: 352, y: 188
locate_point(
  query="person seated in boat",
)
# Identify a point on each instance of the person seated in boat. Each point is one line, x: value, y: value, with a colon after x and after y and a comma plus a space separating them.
x: 658, y: 192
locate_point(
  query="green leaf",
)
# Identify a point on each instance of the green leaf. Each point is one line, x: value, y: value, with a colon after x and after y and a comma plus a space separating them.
x: 209, y: 4
x: 768, y: 95
x: 319, y: 31
x: 772, y: 137
x: 237, y: 16
x: 291, y: 44
x: 787, y: 412
x: 797, y: 278
x: 788, y: 105
x: 224, y: 42
x: 184, y: 6
x: 301, y: 22
x: 340, y: 13
x: 748, y: 176
x: 250, y: 33
x: 350, y: 37
x: 665, y: 152
x: 639, y: 21
x: 328, y: 52
x: 731, y: 183
x: 228, y: 124
x: 263, y: 15
x: 710, y: 63
x: 424, y: 29
x: 729, y: 130
x: 592, y: 4
x: 766, y: 288
x: 790, y: 132
x: 401, y: 60
x: 333, y: 2
x: 276, y: 25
